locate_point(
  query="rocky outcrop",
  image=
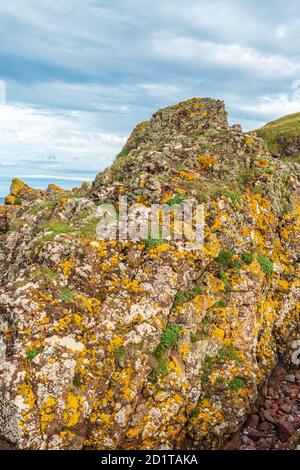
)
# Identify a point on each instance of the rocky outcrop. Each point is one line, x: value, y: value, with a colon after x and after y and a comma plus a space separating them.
x: 288, y: 147
x: 282, y: 137
x: 140, y: 345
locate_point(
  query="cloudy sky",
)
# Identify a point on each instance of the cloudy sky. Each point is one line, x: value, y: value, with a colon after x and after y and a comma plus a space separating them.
x: 79, y: 74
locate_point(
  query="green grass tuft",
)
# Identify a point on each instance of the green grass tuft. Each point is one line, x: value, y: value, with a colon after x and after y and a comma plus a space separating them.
x: 177, y: 199
x: 266, y: 264
x: 182, y: 297
x: 32, y: 354
x: 67, y: 295
x: 236, y: 384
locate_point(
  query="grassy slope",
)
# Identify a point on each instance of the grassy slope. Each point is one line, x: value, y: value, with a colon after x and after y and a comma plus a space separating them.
x: 288, y: 126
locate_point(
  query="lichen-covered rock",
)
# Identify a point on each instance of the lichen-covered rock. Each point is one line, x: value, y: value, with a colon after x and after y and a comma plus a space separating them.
x: 140, y: 345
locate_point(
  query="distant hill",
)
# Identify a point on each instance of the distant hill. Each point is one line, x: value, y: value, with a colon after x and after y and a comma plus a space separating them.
x: 283, y: 136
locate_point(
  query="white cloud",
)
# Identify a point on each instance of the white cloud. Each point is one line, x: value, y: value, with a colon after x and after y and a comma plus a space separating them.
x: 232, y: 56
x: 281, y: 32
x: 62, y: 141
x: 272, y: 107
x: 160, y: 89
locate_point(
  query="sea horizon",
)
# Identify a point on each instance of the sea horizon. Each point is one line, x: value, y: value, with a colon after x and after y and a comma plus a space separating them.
x: 41, y: 182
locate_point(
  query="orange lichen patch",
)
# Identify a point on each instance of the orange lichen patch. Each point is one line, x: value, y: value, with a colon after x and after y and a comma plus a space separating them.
x: 10, y: 200
x: 220, y: 221
x: 54, y: 187
x: 47, y: 411
x: 261, y: 210
x: 249, y: 140
x: 27, y: 395
x: 166, y: 197
x: 154, y: 252
x: 127, y: 283
x: 283, y: 284
x: 211, y: 246
x: 218, y: 333
x: 142, y: 200
x: 63, y: 201
x: 188, y: 175
x: 174, y: 365
x: 205, y: 162
x: 91, y: 304
x: 262, y: 163
x: 115, y: 343
x: 17, y: 186
x: 121, y: 190
x: 207, y: 416
x: 73, y: 409
x: 142, y: 126
x: 69, y: 320
x: 179, y: 190
x: 42, y: 296
x: 67, y: 266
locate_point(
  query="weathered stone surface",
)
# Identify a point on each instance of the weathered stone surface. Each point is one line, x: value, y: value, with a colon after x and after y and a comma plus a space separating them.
x: 146, y: 345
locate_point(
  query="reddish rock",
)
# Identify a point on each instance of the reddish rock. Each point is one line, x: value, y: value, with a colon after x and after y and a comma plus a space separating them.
x: 253, y: 421
x: 254, y: 434
x: 268, y: 416
x: 274, y: 408
x: 285, y: 430
x: 263, y: 443
x: 286, y: 408
x: 234, y: 443
x: 265, y: 426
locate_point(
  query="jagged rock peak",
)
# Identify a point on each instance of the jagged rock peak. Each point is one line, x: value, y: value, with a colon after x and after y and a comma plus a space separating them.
x: 187, y: 118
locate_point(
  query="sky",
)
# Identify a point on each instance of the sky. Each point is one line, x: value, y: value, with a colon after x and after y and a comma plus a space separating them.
x: 79, y: 74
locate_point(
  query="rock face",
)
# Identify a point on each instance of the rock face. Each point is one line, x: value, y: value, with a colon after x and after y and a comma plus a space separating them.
x: 148, y: 345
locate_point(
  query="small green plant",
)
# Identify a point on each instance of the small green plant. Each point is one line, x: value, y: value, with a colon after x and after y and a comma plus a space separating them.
x: 169, y: 339
x: 247, y: 258
x: 183, y: 297
x: 227, y: 352
x: 195, y: 412
x: 67, y: 295
x: 48, y: 273
x: 38, y: 208
x: 246, y: 177
x: 225, y: 258
x: 177, y: 199
x: 77, y: 381
x: 224, y: 277
x: 161, y: 369
x: 220, y: 304
x: 153, y: 242
x: 124, y: 152
x: 119, y: 354
x: 206, y: 369
x: 286, y: 207
x: 194, y: 337
x: 89, y: 229
x: 57, y: 227
x: 32, y: 354
x: 220, y: 379
x: 18, y: 202
x: 236, y: 384
x: 266, y: 264
x: 234, y: 197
